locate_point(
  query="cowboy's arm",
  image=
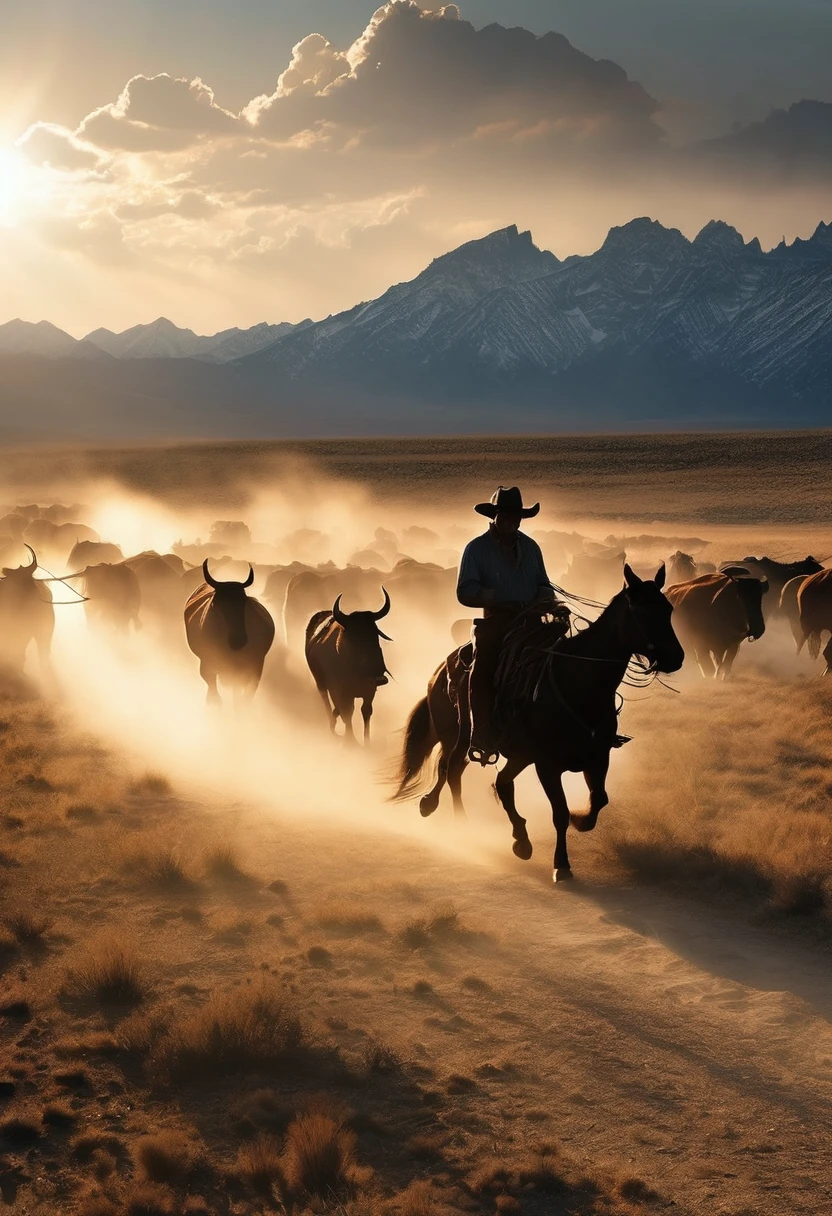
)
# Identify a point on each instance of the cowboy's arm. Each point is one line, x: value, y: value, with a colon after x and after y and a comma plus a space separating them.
x: 470, y: 589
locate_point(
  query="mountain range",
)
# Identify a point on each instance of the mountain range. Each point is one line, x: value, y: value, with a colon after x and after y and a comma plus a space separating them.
x: 651, y: 331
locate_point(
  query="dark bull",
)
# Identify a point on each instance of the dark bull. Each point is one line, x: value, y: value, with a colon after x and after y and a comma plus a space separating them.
x: 345, y: 657
x: 230, y: 633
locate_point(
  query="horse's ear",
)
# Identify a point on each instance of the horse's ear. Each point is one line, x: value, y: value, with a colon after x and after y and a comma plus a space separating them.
x: 630, y: 576
x: 660, y: 576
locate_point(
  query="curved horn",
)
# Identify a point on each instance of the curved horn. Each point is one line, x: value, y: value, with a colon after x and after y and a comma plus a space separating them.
x: 33, y: 565
x: 210, y: 581
x: 383, y: 611
x: 250, y: 578
x: 338, y: 615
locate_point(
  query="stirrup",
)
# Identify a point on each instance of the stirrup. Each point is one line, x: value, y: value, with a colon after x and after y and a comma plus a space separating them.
x: 481, y: 755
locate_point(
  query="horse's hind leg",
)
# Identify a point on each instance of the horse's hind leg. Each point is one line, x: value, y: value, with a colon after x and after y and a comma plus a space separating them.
x: 596, y: 779
x: 430, y: 801
x: 504, y: 789
x: 457, y: 763
x: 550, y: 779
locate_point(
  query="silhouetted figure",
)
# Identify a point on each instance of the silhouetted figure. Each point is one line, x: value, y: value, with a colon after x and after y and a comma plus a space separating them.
x: 502, y: 572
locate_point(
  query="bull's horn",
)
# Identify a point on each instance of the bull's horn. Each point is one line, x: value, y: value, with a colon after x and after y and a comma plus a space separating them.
x: 338, y: 615
x: 383, y: 611
x: 250, y: 578
x: 34, y: 562
x: 660, y: 576
x: 205, y: 574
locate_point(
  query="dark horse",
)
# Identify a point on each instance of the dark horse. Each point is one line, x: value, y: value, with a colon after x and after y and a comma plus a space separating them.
x: 563, y: 717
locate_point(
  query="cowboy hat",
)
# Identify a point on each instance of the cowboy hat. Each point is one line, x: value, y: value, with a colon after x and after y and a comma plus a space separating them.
x: 509, y: 501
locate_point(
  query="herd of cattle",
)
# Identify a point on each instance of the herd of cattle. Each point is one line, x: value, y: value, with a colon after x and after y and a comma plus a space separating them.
x: 231, y: 632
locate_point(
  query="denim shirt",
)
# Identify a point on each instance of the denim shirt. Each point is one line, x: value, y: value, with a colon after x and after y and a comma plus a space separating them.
x: 484, y: 568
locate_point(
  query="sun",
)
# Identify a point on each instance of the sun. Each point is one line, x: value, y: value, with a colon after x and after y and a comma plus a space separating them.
x: 13, y: 169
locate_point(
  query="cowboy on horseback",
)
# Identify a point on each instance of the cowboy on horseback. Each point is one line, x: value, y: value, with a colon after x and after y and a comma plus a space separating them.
x: 502, y: 572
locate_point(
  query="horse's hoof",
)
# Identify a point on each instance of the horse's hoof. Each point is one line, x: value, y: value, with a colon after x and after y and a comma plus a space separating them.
x: 427, y: 806
x: 522, y: 849
x: 583, y: 823
x: 562, y: 874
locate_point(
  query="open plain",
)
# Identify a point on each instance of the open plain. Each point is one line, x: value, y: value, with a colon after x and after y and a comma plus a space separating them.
x: 237, y: 978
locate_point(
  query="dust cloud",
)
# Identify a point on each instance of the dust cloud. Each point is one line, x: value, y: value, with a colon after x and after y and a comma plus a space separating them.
x: 140, y: 691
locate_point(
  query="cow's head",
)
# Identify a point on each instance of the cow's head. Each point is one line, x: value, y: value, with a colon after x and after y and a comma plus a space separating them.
x: 22, y: 574
x: 230, y: 601
x: 360, y: 641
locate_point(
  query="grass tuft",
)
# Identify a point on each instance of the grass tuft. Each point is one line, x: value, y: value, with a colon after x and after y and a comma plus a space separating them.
x: 442, y: 924
x: 168, y: 1157
x: 241, y: 1028
x: 260, y: 1165
x: 27, y: 927
x: 222, y: 862
x: 148, y: 1199
x: 319, y: 1155
x: 110, y: 974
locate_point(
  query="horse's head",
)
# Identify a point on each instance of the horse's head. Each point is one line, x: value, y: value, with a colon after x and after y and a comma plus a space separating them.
x: 647, y: 626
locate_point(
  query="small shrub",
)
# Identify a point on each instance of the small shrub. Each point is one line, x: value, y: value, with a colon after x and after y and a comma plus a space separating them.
x: 418, y: 1200
x: 139, y: 1033
x: 222, y: 862
x: 151, y: 783
x: 58, y: 1116
x: 85, y: 1147
x: 240, y: 1028
x: 380, y: 1057
x: 319, y: 1155
x: 110, y: 974
x: 260, y: 1164
x: 27, y: 927
x: 442, y: 924
x: 147, y: 1199
x: 168, y: 1157
x: 160, y: 865
x: 20, y: 1130
x: 319, y: 956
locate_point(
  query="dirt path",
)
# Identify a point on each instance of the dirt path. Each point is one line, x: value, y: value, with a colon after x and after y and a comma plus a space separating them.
x: 636, y: 1027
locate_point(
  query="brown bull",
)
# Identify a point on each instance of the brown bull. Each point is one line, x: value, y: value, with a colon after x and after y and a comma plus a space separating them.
x: 230, y: 633
x: 344, y: 655
x: 113, y: 596
x: 714, y: 614
x: 814, y: 605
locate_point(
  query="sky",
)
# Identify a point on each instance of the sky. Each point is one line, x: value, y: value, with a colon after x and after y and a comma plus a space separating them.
x: 224, y: 163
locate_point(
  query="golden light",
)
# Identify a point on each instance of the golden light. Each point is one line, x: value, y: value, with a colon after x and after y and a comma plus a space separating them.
x: 13, y: 173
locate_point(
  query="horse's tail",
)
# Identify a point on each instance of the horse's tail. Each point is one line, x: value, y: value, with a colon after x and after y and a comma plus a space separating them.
x: 419, y: 742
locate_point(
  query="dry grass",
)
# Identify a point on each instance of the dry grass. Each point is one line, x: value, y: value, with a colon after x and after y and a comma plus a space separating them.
x: 261, y: 1164
x: 159, y: 863
x: 110, y: 974
x: 249, y: 1027
x: 169, y: 1157
x: 148, y: 1199
x: 27, y: 927
x: 733, y: 791
x: 380, y: 1058
x: 442, y: 924
x: 319, y: 1156
x: 349, y: 917
x: 222, y: 862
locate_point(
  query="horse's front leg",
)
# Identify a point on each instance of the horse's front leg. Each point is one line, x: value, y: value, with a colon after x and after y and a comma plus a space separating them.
x: 550, y: 778
x: 595, y: 775
x: 504, y: 789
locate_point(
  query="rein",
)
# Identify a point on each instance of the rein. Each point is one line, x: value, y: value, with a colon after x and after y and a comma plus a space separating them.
x: 56, y: 578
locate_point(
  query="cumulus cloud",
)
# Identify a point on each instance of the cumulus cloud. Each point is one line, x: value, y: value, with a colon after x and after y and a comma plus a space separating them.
x: 158, y: 113
x: 367, y: 159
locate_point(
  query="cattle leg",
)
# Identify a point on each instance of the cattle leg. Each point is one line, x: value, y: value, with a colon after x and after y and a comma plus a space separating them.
x: 366, y: 714
x: 331, y: 711
x: 727, y: 661
x: 705, y: 662
x: 345, y: 710
x: 551, y: 780
x: 827, y: 657
x: 596, y: 780
x: 504, y: 789
x: 210, y: 678
x: 813, y: 641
